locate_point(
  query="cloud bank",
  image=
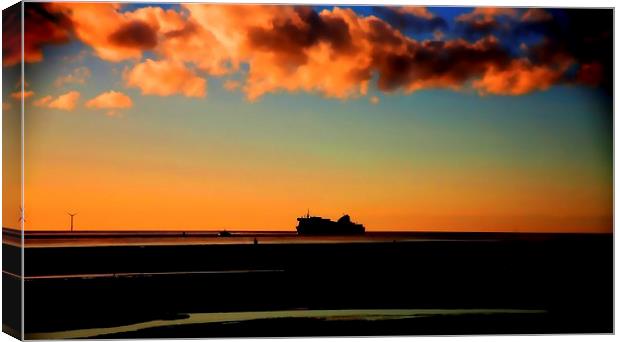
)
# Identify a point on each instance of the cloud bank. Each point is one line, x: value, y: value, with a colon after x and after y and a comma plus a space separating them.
x: 336, y: 53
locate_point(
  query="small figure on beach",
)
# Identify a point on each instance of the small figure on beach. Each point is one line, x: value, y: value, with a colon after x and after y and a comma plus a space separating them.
x: 255, y: 241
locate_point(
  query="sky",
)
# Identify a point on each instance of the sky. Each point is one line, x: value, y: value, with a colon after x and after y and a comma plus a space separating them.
x: 246, y: 116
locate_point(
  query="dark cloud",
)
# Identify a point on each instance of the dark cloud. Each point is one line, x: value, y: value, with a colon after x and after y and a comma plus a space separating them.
x: 584, y: 36
x: 381, y: 34
x: 581, y: 38
x: 398, y: 61
x: 484, y: 21
x: 437, y: 63
x: 135, y: 34
x: 41, y: 27
x: 11, y: 35
x: 487, y: 45
x: 406, y: 21
x: 476, y: 29
x: 290, y: 39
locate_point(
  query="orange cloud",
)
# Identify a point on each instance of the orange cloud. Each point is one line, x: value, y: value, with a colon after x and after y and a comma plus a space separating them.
x: 164, y: 21
x: 214, y: 36
x: 282, y: 45
x: 18, y: 94
x: 111, y: 100
x: 43, y: 102
x: 231, y: 85
x: 519, y: 78
x: 67, y: 101
x: 78, y: 76
x: 114, y: 35
x: 335, y: 65
x: 335, y: 53
x: 165, y: 78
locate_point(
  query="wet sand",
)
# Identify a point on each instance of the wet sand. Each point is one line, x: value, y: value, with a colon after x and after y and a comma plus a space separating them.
x: 207, y: 320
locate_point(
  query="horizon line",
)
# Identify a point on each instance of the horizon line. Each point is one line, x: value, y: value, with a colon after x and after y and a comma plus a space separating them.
x: 197, y: 231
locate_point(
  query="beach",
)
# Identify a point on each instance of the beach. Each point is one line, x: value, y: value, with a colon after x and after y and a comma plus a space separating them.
x: 173, y: 284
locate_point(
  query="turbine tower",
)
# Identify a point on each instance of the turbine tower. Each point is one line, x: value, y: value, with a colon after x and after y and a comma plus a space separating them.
x: 72, y: 219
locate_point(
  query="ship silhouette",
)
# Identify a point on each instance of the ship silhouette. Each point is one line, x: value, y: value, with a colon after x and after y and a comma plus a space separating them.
x: 315, y: 225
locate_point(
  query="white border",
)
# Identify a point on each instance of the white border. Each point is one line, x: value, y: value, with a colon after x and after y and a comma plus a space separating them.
x: 468, y: 3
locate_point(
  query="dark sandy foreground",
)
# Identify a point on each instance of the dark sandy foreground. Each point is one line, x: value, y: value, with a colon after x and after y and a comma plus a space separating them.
x: 511, y: 283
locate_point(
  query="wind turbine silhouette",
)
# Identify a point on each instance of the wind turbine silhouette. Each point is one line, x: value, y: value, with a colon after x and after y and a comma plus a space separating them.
x: 71, y: 219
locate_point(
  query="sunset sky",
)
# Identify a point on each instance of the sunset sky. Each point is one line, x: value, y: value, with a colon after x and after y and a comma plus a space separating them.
x: 244, y: 117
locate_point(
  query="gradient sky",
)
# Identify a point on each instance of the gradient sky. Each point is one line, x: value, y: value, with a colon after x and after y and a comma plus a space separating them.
x: 244, y: 117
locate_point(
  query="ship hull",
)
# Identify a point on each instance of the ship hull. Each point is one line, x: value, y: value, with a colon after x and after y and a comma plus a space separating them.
x: 319, y: 226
